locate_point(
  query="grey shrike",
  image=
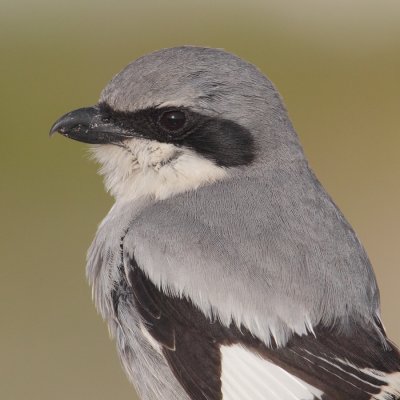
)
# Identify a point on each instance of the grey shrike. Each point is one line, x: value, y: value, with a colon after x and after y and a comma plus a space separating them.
x: 224, y: 269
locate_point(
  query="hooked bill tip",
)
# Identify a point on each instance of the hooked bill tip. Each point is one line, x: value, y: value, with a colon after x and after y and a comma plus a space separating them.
x: 54, y: 129
x: 69, y: 121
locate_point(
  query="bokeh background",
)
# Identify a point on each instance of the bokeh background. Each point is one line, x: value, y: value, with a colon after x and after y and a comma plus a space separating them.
x: 337, y: 65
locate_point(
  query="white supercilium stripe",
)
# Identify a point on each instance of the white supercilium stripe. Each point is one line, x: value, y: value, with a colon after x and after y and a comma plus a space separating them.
x: 247, y: 376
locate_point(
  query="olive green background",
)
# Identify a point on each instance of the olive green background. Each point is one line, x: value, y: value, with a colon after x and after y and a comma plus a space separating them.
x: 337, y: 65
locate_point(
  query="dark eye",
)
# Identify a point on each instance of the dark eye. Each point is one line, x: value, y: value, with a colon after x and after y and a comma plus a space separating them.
x: 172, y: 120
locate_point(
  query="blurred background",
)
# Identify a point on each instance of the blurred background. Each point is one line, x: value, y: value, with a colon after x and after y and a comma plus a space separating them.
x: 336, y: 63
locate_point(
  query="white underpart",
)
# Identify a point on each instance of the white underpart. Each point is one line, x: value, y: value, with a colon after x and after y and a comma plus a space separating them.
x: 247, y: 376
x: 141, y: 167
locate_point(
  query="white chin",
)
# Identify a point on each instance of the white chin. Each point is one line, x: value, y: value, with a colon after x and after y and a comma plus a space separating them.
x: 142, y: 167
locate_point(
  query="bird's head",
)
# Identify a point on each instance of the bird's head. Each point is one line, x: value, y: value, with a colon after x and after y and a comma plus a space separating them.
x: 180, y: 118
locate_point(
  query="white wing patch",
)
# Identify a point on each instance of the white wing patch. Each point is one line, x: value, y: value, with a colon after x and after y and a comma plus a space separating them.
x: 392, y: 379
x: 247, y: 376
x: 391, y: 389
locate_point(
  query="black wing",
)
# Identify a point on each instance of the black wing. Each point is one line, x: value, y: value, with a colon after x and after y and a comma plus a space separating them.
x: 341, y: 365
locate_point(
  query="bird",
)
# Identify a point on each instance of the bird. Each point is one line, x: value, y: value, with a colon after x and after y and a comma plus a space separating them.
x: 224, y: 269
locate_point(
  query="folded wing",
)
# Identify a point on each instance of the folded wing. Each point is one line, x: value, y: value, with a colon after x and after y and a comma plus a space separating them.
x: 213, y: 361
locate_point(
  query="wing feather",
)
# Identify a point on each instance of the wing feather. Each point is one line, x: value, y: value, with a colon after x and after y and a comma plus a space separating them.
x: 257, y: 377
x: 213, y: 361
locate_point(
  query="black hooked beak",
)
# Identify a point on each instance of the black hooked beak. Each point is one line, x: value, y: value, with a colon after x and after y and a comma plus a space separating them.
x: 90, y: 125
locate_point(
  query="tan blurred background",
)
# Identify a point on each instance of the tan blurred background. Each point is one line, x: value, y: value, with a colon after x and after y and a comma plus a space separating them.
x: 337, y: 65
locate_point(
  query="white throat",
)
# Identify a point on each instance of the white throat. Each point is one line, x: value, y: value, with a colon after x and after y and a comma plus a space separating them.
x: 141, y: 167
